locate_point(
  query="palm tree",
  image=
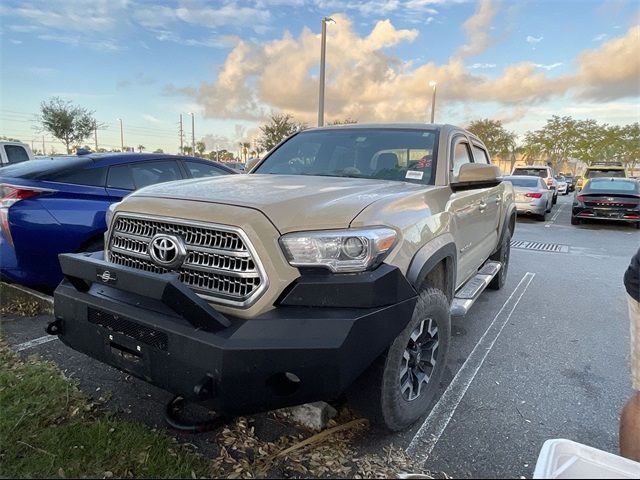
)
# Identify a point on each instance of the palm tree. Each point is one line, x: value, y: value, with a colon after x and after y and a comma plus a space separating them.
x: 141, y: 148
x: 200, y: 148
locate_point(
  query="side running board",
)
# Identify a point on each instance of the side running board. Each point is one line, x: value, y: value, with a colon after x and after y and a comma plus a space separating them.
x: 470, y: 291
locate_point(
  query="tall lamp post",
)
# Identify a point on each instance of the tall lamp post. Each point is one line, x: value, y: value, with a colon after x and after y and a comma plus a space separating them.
x: 121, y: 136
x: 323, y: 52
x: 193, y: 134
x: 433, y: 85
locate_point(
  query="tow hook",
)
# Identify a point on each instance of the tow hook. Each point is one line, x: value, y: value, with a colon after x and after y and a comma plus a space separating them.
x: 55, y: 327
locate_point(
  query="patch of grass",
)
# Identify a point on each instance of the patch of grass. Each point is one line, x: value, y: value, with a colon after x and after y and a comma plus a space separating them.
x: 49, y: 429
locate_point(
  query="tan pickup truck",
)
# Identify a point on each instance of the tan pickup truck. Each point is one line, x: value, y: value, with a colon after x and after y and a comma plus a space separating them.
x: 333, y: 267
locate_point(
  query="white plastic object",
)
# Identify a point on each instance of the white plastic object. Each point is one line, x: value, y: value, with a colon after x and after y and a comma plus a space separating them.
x: 561, y: 458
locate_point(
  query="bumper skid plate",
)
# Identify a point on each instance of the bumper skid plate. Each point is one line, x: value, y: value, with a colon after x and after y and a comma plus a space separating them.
x: 152, y: 326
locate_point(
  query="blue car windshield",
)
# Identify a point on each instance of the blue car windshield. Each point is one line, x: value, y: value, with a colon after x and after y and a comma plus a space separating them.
x: 376, y: 153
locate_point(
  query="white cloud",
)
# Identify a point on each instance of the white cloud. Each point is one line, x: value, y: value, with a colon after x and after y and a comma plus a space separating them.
x: 79, y: 15
x: 42, y: 71
x: 534, y: 40
x: 367, y: 83
x: 612, y: 70
x: 476, y: 28
x: 15, y: 42
x: 150, y: 118
x: 550, y: 66
x: 139, y: 79
x: 482, y: 66
x: 600, y: 37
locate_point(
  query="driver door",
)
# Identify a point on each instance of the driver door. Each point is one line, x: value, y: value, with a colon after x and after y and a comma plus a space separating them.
x: 468, y: 207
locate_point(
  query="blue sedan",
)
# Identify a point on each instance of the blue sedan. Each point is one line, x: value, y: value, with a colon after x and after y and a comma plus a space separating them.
x: 58, y: 205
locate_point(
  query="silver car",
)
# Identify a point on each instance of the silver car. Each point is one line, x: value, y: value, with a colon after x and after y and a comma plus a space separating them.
x: 533, y: 197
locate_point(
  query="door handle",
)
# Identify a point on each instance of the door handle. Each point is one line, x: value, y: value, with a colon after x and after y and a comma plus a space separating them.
x: 498, y: 199
x: 482, y: 206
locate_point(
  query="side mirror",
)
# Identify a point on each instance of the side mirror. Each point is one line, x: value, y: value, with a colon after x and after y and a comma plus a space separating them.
x: 477, y: 175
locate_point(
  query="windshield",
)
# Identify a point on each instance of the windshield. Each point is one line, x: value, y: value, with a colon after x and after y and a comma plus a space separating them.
x: 536, y: 172
x: 386, y: 154
x: 560, y: 179
x: 605, y: 173
x: 526, y: 182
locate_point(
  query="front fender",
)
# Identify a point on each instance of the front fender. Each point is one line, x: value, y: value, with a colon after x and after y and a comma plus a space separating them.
x: 431, y: 254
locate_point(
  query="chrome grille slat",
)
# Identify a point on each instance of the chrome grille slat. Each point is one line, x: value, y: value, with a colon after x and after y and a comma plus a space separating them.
x: 220, y: 265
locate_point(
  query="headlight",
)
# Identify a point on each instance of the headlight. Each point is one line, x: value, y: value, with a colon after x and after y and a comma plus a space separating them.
x: 109, y: 215
x: 352, y: 250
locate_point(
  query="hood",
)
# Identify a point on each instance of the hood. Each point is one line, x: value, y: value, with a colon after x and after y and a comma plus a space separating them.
x: 291, y: 202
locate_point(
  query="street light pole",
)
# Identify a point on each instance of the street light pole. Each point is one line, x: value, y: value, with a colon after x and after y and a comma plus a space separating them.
x: 193, y: 134
x: 323, y: 52
x: 433, y: 85
x: 121, y: 136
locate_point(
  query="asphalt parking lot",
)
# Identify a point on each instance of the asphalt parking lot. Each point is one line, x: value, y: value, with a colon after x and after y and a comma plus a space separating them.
x: 546, y: 357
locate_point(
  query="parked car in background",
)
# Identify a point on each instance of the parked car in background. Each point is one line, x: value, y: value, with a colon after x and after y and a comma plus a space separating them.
x: 563, y: 185
x: 571, y: 184
x: 601, y: 169
x: 608, y: 199
x: 533, y: 197
x: 54, y: 206
x: 542, y: 171
x: 14, y: 152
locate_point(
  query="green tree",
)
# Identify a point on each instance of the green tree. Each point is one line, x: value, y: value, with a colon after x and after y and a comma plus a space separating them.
x: 141, y: 148
x: 200, y: 148
x: 187, y: 150
x: 631, y: 139
x: 556, y: 142
x: 499, y: 141
x: 158, y: 150
x: 279, y: 127
x: 68, y: 123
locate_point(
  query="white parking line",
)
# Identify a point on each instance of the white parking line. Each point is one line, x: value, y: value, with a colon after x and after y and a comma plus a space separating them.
x: 35, y: 342
x: 433, y: 427
x: 555, y: 216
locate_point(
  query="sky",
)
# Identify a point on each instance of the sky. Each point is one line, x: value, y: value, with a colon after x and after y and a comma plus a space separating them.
x: 232, y: 63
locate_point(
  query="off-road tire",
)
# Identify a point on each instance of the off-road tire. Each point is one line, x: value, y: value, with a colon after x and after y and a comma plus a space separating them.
x: 542, y: 217
x: 555, y: 199
x: 377, y: 393
x: 502, y: 255
x: 575, y: 221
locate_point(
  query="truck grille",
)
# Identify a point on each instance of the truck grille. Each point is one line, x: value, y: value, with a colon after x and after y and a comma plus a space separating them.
x: 219, y: 265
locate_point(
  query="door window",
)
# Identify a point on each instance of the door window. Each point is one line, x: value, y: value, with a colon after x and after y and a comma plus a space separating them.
x: 148, y: 173
x: 16, y: 153
x: 480, y: 155
x: 461, y: 155
x: 198, y: 170
x: 120, y: 177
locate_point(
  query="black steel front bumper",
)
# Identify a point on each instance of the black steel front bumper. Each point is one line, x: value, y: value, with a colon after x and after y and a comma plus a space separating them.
x: 154, y: 327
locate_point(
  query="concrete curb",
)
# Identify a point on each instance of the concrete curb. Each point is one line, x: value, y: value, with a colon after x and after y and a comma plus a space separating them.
x: 12, y: 293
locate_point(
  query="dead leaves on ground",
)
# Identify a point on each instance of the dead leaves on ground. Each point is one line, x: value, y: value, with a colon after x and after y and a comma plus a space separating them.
x: 328, y: 454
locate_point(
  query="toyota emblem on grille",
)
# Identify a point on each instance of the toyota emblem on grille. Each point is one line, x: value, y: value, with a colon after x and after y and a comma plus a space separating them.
x: 167, y: 251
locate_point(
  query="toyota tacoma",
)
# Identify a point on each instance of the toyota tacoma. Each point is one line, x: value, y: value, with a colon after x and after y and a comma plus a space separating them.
x: 332, y: 268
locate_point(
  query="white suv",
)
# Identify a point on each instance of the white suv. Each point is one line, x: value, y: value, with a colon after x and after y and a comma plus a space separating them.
x: 542, y: 171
